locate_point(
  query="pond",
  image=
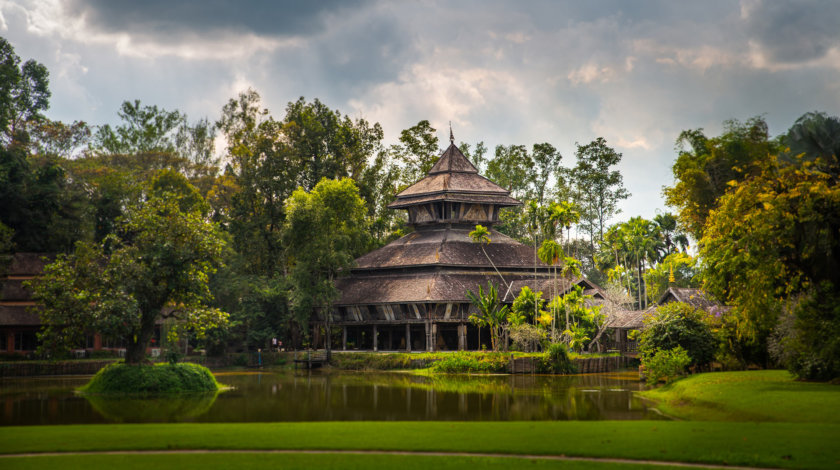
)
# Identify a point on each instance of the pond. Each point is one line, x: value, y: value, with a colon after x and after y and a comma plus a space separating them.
x: 286, y: 396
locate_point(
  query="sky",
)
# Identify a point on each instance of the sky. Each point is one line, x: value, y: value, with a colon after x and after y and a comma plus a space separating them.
x: 634, y: 72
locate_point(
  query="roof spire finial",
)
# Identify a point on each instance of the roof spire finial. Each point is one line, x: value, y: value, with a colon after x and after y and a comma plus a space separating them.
x: 451, y: 135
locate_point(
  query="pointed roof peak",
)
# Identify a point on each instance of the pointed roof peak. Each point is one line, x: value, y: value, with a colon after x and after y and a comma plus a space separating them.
x: 453, y: 161
x: 451, y: 135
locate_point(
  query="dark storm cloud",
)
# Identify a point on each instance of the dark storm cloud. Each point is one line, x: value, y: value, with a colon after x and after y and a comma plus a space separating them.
x: 176, y: 17
x: 794, y: 31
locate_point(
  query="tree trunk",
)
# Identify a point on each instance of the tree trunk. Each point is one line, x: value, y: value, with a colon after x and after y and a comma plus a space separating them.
x: 135, y: 352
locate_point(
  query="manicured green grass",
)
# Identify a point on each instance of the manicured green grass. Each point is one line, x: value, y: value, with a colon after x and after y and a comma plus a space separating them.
x: 767, y: 395
x: 790, y: 445
x: 296, y: 461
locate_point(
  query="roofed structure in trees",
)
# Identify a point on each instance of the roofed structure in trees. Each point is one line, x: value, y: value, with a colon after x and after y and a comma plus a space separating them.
x: 412, y: 293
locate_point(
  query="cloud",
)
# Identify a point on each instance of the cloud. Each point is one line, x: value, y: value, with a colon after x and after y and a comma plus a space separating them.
x: 167, y: 19
x: 792, y: 32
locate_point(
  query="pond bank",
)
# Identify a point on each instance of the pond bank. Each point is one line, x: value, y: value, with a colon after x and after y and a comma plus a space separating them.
x: 492, y: 362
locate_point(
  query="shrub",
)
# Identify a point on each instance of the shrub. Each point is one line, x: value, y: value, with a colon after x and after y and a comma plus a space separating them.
x: 556, y: 360
x: 666, y: 364
x: 526, y: 337
x: 679, y: 324
x: 121, y: 378
x: 806, y: 340
x: 464, y: 362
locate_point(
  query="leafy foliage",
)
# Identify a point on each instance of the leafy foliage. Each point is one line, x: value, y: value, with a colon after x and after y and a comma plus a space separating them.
x: 787, y: 240
x: 807, y: 339
x: 325, y: 231
x: 526, y: 337
x: 491, y: 313
x: 158, y: 266
x: 556, y: 360
x: 678, y: 324
x: 706, y: 166
x: 665, y: 364
x: 24, y: 93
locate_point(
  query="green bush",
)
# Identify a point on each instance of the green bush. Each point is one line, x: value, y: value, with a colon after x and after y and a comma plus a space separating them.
x: 679, y: 324
x: 371, y: 361
x: 666, y: 364
x: 556, y: 360
x: 121, y: 378
x: 806, y: 340
x: 465, y: 362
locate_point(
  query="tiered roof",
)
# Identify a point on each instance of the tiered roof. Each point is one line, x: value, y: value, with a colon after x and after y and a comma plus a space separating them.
x: 453, y: 178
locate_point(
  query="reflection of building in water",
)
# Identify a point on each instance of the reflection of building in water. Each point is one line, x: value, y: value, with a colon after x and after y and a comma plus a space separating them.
x: 412, y: 293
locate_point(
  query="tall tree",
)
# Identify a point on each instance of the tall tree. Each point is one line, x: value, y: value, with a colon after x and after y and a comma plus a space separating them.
x: 325, y: 230
x: 546, y: 160
x: 600, y: 187
x: 418, y: 150
x: 706, y: 167
x: 24, y: 94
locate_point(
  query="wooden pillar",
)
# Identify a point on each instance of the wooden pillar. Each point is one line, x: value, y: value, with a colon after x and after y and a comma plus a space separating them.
x: 408, y: 337
x: 429, y: 346
x: 97, y: 341
x: 375, y: 339
x: 10, y: 341
x: 434, y: 336
x: 344, y: 338
x: 316, y: 335
x: 462, y: 337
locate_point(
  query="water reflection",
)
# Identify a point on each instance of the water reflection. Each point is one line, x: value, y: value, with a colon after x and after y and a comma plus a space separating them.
x: 152, y: 410
x: 267, y: 396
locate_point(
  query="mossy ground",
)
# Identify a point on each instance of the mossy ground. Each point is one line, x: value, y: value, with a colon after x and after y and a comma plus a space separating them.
x: 147, y: 379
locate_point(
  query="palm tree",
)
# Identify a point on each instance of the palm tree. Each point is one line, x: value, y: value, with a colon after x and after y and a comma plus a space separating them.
x: 550, y: 253
x: 482, y: 236
x: 491, y: 312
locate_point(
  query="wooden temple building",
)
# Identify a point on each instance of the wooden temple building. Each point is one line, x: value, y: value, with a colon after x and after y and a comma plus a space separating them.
x: 411, y: 295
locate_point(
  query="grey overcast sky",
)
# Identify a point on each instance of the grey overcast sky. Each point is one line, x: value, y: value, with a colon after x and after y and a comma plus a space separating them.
x: 505, y: 72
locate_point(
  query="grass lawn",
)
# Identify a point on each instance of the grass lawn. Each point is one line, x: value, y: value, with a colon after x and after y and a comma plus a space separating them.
x: 298, y: 461
x: 768, y: 395
x: 789, y: 445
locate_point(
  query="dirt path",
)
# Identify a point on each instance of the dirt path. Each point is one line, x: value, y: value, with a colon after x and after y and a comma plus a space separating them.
x: 662, y: 463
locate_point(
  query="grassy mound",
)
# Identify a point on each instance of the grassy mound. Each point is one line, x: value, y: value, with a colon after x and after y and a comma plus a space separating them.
x: 125, y: 379
x: 759, y: 395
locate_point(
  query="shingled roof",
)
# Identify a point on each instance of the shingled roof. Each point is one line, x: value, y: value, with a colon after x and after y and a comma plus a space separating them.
x: 448, y: 246
x: 694, y: 297
x: 454, y: 178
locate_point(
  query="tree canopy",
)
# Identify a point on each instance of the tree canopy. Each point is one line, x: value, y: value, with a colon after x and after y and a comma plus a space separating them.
x: 156, y: 266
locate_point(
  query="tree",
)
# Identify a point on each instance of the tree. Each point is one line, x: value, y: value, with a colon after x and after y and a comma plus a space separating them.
x: 24, y: 93
x: 772, y: 237
x: 156, y: 266
x: 325, y: 230
x: 491, y: 313
x: 58, y: 139
x: 814, y: 136
x: 546, y: 161
x: 600, y: 187
x: 706, y: 166
x: 418, y: 151
x: 46, y: 209
x: 672, y: 237
x: 482, y: 236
